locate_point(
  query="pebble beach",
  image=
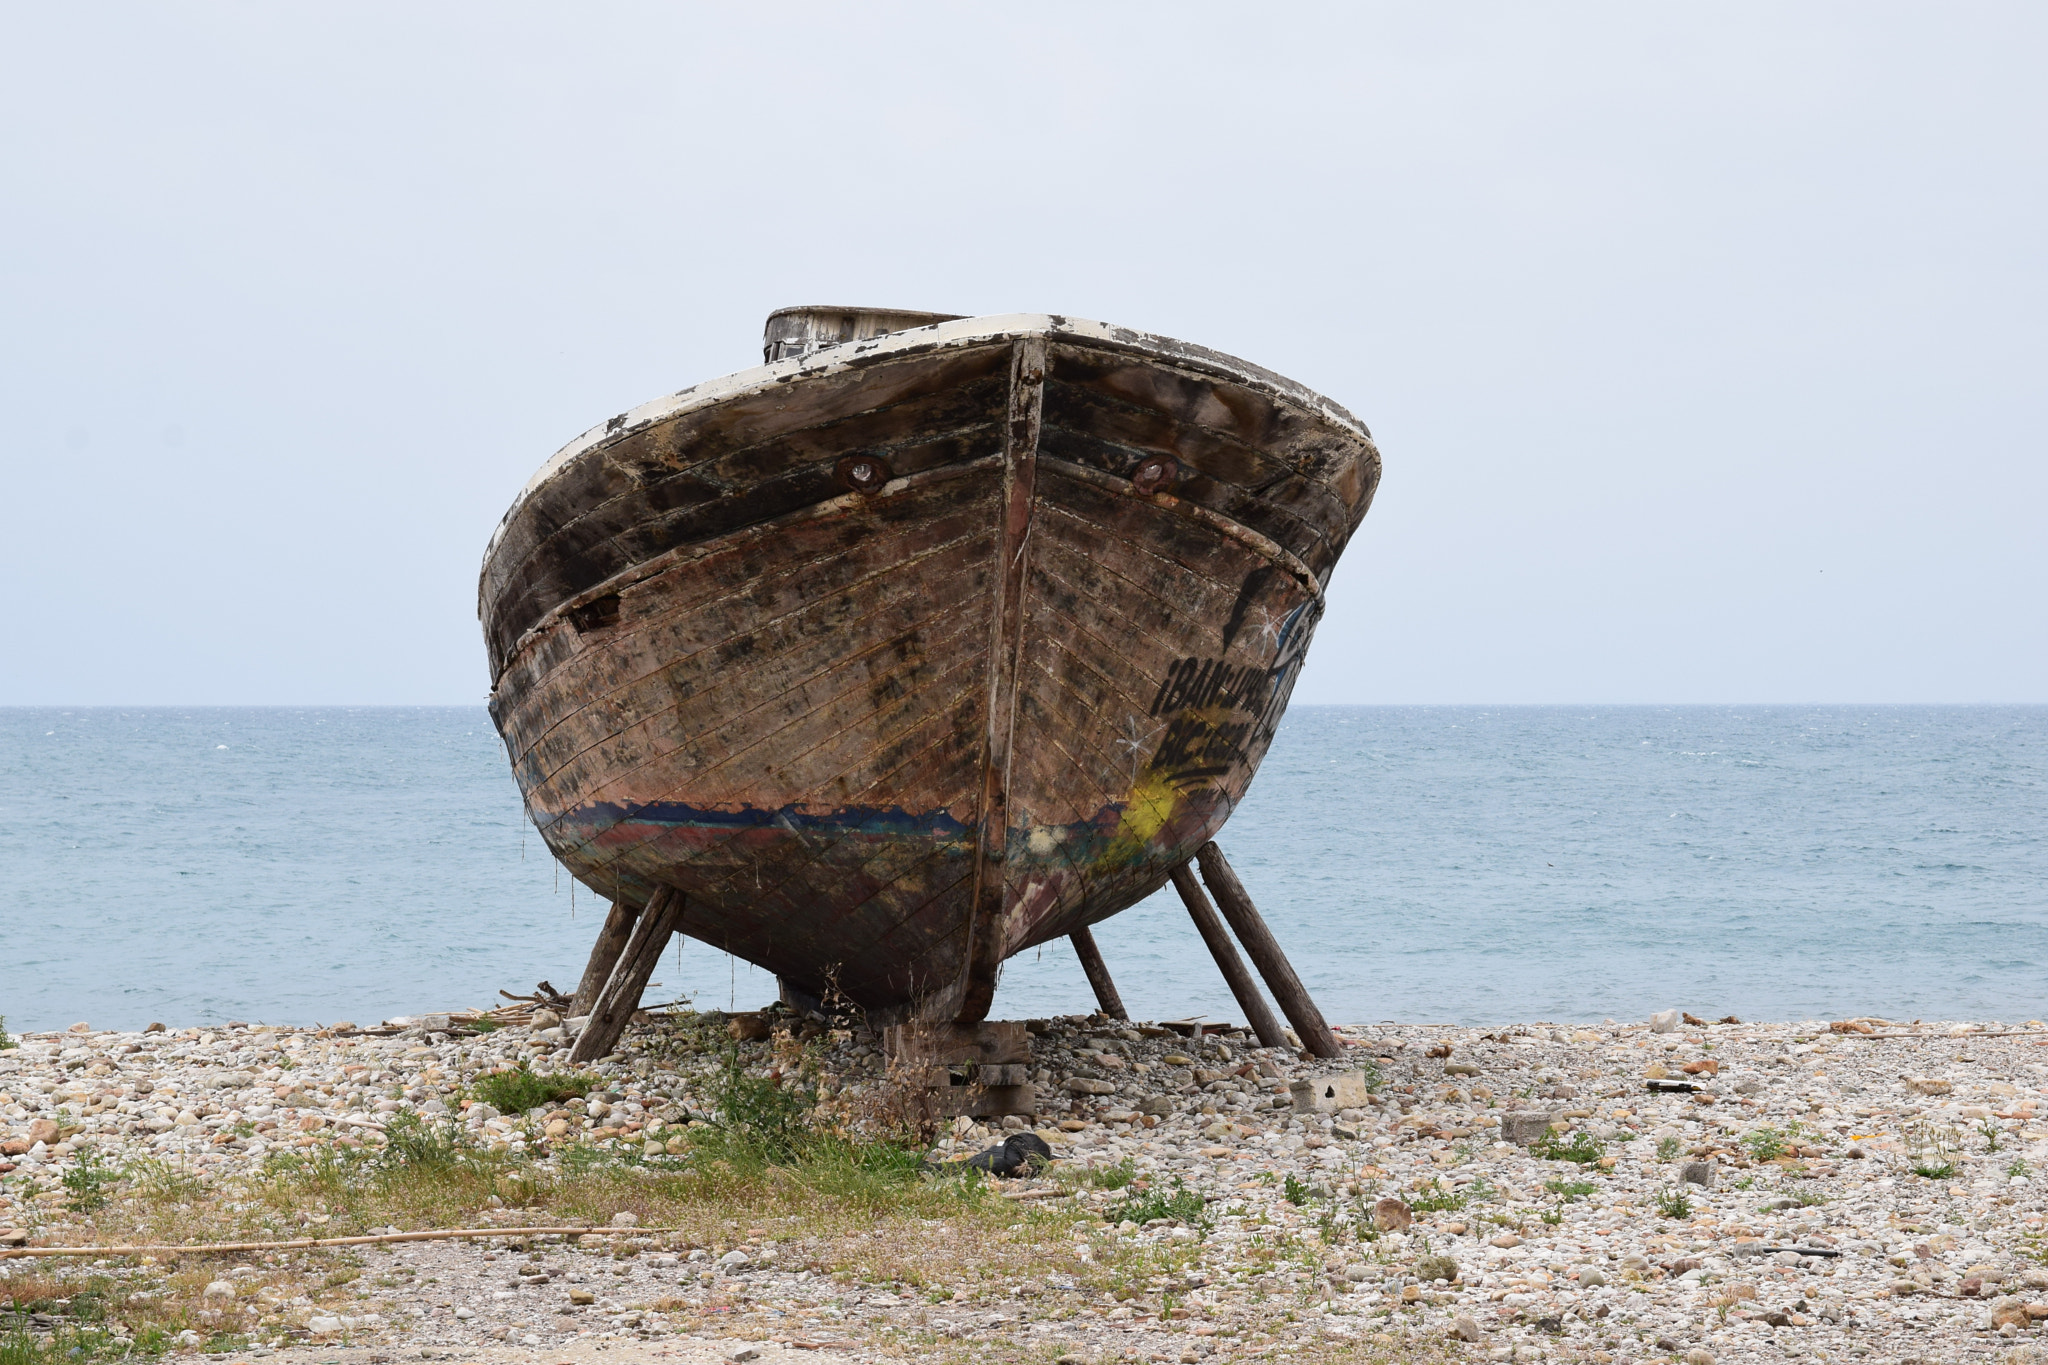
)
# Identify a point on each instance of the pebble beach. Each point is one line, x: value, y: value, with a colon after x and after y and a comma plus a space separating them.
x: 1678, y: 1188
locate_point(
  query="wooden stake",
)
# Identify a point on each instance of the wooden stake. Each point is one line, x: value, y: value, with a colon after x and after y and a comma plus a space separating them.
x: 1098, y: 974
x: 1265, y: 954
x: 604, y: 956
x: 1256, y: 1011
x: 621, y: 994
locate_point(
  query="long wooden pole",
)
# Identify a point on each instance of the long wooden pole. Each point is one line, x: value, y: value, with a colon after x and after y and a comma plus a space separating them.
x: 621, y: 994
x: 1098, y: 974
x: 1264, y: 951
x: 1256, y: 1011
x: 604, y: 955
x: 314, y: 1243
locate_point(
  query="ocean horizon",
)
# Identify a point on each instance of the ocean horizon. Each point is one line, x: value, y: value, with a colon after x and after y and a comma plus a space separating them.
x: 1431, y: 864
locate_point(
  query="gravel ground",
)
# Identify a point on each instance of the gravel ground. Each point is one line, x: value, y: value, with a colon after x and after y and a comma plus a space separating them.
x: 1640, y: 1191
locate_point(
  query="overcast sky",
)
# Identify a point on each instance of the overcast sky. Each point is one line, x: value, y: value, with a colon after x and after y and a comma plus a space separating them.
x: 1704, y: 343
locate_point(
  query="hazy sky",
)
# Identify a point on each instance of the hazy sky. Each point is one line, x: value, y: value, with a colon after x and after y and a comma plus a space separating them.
x: 1704, y: 343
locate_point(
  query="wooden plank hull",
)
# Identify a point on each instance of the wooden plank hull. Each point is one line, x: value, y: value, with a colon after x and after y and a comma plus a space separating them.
x: 884, y: 734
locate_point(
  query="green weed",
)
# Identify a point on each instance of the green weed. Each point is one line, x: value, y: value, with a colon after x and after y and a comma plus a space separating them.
x: 412, y: 1142
x: 2017, y: 1167
x: 1584, y: 1148
x: 1296, y: 1192
x: 1434, y: 1198
x: 760, y: 1121
x: 1569, y: 1190
x: 5, y: 1040
x: 520, y: 1089
x: 1764, y: 1144
x: 20, y: 1346
x: 1674, y: 1204
x: 1933, y: 1148
x: 1180, y: 1204
x: 1667, y: 1149
x: 87, y: 1181
x: 1989, y: 1132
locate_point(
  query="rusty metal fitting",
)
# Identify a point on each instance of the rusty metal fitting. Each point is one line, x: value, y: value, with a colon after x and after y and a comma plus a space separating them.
x: 1156, y: 474
x: 862, y: 473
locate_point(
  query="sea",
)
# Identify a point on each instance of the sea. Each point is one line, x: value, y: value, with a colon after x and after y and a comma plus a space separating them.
x: 1425, y: 864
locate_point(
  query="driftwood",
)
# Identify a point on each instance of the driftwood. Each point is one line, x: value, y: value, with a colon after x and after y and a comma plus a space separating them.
x: 1947, y: 1037
x: 313, y: 1243
x: 544, y: 994
x: 1256, y: 1011
x: 615, y: 1004
x: 1264, y: 951
x: 1098, y: 974
x: 604, y: 955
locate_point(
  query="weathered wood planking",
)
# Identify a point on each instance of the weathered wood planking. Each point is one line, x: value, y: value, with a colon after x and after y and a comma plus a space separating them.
x: 899, y: 656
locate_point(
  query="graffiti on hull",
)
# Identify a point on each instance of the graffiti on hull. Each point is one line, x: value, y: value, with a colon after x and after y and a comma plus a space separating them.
x: 1219, y: 715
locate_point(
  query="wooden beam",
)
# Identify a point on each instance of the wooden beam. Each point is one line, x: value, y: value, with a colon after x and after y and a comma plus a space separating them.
x: 992, y: 1042
x: 987, y: 943
x: 1098, y: 974
x: 1264, y: 951
x: 621, y: 994
x: 1256, y: 1011
x: 604, y: 955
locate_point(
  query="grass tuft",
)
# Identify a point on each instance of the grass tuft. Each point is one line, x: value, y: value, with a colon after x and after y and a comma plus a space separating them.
x: 520, y: 1088
x: 1111, y: 1177
x: 1805, y: 1194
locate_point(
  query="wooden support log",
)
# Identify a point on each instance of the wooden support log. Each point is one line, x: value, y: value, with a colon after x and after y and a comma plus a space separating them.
x: 621, y: 994
x: 604, y: 956
x: 799, y: 999
x: 949, y: 1069
x: 1098, y: 974
x: 1256, y: 1011
x: 1264, y: 951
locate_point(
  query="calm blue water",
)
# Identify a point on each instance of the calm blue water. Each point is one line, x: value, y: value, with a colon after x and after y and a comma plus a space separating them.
x: 1434, y: 864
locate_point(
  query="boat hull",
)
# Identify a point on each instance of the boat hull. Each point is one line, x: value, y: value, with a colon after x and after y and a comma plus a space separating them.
x: 883, y: 735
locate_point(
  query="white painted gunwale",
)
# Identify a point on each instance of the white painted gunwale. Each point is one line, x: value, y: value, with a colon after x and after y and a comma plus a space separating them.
x: 958, y: 334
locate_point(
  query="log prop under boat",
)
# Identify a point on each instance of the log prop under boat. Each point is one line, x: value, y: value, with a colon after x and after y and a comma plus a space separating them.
x: 929, y: 640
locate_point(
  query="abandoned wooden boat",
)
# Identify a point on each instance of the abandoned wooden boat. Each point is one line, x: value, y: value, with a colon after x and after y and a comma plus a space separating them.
x: 927, y: 641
